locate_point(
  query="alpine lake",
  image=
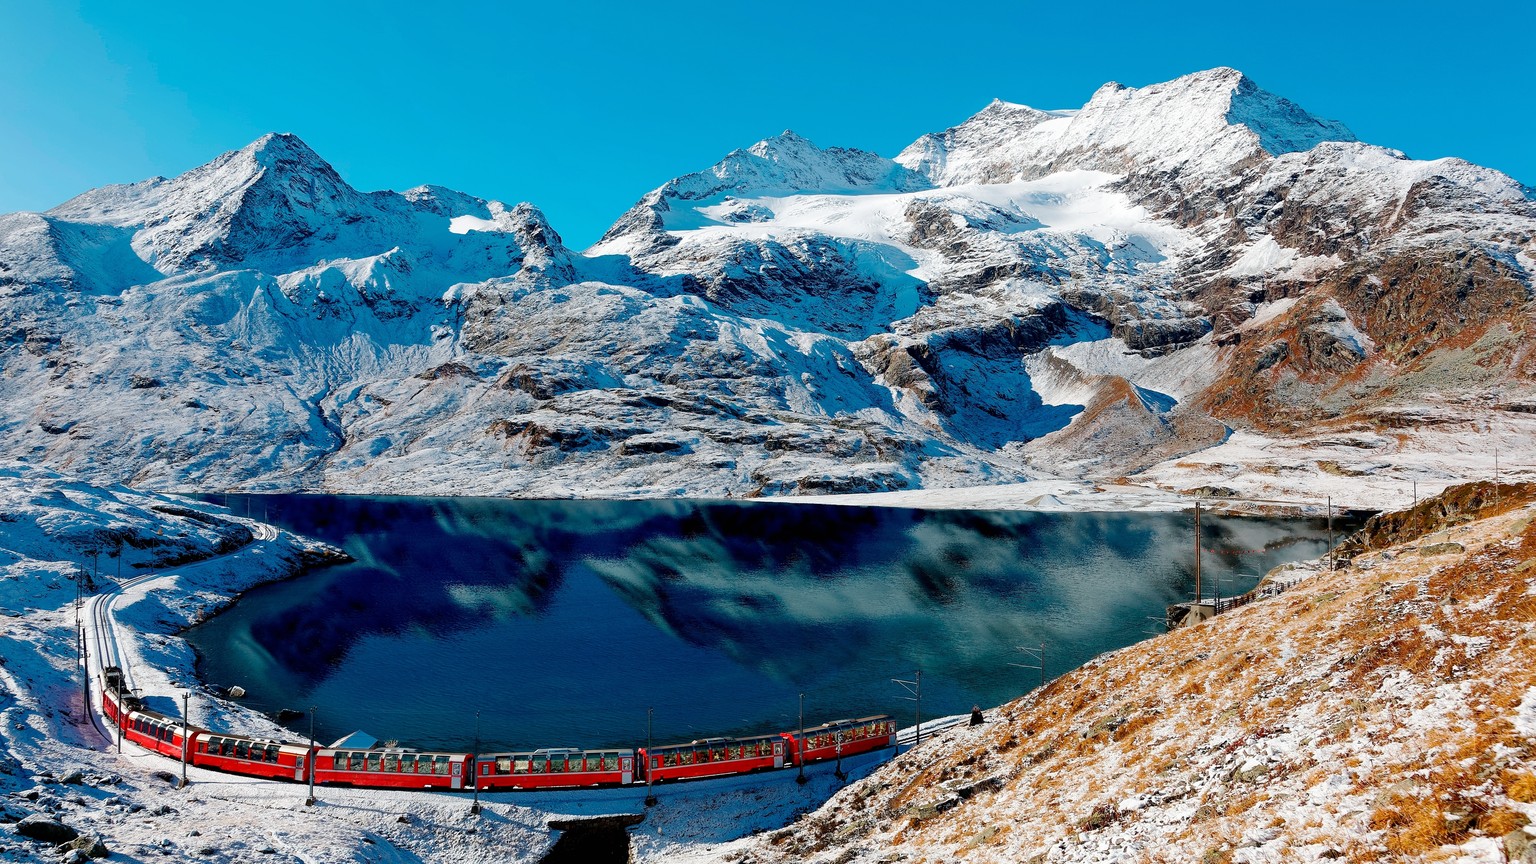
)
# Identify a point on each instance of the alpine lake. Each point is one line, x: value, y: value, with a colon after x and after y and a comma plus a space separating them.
x: 567, y: 623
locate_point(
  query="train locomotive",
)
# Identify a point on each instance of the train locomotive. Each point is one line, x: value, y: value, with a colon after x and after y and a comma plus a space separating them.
x: 554, y: 768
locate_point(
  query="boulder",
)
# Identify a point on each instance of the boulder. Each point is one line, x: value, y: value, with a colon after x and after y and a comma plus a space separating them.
x: 87, y: 845
x: 40, y: 827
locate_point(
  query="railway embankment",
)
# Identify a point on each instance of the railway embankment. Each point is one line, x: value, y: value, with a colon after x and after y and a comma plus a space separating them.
x: 1382, y: 711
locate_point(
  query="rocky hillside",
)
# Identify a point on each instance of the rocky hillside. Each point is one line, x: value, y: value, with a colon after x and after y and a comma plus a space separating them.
x: 1086, y: 293
x: 1384, y: 711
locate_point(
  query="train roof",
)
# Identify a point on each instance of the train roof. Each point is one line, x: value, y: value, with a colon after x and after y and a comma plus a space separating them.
x: 358, y: 740
x: 552, y: 751
x: 710, y: 742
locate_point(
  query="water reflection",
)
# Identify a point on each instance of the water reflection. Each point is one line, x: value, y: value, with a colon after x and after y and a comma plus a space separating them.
x: 563, y: 621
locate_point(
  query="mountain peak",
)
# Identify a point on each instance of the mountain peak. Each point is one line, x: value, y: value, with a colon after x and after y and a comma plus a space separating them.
x: 1184, y: 120
x: 1212, y: 121
x: 275, y: 147
x: 785, y: 164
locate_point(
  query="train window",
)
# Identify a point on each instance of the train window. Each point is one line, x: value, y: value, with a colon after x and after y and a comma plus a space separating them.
x: 520, y: 765
x: 611, y: 762
x: 423, y: 764
x: 669, y: 759
x: 503, y: 764
x: 443, y: 764
x: 717, y: 754
x: 374, y: 761
x: 272, y: 753
x: 655, y: 762
x: 391, y: 762
x: 241, y: 751
x: 556, y: 764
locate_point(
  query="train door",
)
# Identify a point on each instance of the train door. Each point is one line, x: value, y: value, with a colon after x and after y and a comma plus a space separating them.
x: 298, y: 767
x: 627, y: 770
x: 778, y: 754
x: 458, y: 774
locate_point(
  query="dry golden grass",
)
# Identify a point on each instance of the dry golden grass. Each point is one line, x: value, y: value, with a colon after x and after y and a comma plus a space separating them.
x: 1520, y: 786
x: 1186, y: 710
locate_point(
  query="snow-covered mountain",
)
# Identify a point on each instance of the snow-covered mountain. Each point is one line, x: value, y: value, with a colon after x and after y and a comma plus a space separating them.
x: 1086, y: 292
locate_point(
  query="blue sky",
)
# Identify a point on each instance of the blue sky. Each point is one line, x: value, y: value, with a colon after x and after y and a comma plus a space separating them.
x: 582, y: 107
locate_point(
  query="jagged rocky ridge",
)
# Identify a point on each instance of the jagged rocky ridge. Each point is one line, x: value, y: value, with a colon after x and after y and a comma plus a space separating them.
x: 1085, y: 292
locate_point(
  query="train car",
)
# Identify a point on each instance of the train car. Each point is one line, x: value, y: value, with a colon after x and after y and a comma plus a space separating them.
x: 113, y: 691
x: 155, y: 731
x: 841, y: 738
x: 554, y: 768
x: 392, y: 768
x: 712, y: 757
x: 256, y: 757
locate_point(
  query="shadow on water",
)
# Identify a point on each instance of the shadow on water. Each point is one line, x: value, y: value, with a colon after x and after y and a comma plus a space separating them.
x: 562, y: 622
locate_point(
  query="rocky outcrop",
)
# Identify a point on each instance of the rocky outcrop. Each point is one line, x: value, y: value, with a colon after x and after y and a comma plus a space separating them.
x: 257, y: 322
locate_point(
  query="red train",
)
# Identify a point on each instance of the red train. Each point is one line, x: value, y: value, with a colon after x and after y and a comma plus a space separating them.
x: 560, y: 768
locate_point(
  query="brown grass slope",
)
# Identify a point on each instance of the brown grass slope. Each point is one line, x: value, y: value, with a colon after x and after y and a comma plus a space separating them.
x: 1380, y: 712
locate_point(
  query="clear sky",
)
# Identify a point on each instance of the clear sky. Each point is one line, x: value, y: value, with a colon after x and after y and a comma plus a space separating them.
x: 582, y: 107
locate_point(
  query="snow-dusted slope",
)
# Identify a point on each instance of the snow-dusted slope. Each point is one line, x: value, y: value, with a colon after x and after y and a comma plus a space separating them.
x: 1382, y: 712
x: 1211, y: 122
x: 1000, y: 300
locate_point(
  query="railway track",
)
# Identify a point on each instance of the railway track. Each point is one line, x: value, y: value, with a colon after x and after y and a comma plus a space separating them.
x: 908, y: 737
x: 103, y: 638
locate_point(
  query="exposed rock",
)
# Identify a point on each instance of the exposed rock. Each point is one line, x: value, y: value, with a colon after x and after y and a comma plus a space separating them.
x: 40, y: 827
x: 90, y: 846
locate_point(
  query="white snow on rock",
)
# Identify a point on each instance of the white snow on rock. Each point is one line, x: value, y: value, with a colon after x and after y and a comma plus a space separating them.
x: 794, y: 319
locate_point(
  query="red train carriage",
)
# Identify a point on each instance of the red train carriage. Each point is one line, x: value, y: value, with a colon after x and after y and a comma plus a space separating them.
x: 852, y: 736
x: 542, y: 769
x: 157, y: 732
x: 256, y: 757
x: 712, y: 757
x: 394, y: 768
x: 112, y: 688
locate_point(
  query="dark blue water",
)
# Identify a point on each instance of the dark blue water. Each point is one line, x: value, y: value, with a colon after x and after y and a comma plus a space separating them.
x: 561, y: 622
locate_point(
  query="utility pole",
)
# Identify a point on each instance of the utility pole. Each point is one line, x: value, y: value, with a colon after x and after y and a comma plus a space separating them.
x: 650, y: 796
x: 1198, y: 595
x: 915, y: 687
x: 1330, y: 533
x: 801, y: 754
x: 839, y: 772
x: 186, y: 699
x: 310, y: 801
x: 122, y: 712
x: 475, y: 767
x: 85, y: 671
